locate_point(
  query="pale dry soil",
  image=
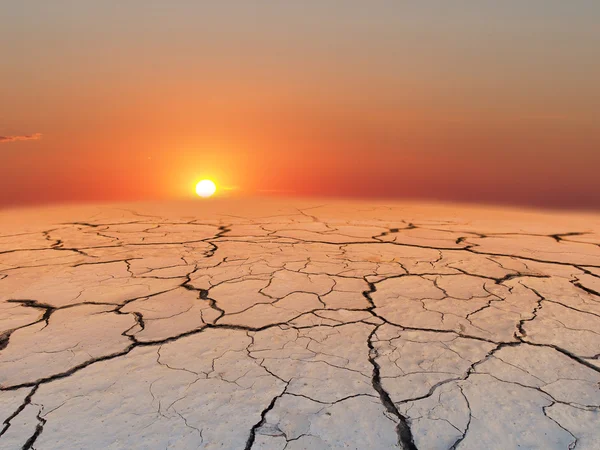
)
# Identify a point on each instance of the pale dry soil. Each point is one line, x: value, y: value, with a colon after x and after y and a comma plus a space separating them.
x: 298, y: 325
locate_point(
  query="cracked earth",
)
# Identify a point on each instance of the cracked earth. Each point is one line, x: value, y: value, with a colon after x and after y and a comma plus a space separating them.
x: 265, y: 325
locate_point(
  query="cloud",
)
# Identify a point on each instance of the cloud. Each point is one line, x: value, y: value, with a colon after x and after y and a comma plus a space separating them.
x: 276, y: 191
x: 27, y: 137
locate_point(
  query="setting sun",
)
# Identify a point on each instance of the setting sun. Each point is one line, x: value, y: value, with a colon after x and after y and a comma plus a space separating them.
x: 206, y: 188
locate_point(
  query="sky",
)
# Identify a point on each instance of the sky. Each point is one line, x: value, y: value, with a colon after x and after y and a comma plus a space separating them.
x: 480, y: 101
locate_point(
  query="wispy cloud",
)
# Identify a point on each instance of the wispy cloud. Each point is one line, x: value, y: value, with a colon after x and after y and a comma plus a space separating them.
x: 25, y: 137
x: 276, y: 191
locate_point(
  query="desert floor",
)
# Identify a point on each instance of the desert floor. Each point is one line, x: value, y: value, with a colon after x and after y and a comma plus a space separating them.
x: 232, y: 324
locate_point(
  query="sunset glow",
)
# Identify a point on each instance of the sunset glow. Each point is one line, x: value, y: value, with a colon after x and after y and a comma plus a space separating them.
x: 486, y: 102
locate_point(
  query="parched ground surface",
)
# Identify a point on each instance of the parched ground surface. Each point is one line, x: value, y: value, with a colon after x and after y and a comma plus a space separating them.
x: 264, y: 325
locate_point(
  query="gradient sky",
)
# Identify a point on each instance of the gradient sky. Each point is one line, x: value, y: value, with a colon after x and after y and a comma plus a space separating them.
x: 483, y: 101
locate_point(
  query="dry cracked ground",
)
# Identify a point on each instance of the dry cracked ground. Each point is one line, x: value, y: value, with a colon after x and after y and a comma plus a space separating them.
x: 265, y: 325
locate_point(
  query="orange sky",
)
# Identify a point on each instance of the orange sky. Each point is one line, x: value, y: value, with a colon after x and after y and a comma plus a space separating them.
x: 494, y: 102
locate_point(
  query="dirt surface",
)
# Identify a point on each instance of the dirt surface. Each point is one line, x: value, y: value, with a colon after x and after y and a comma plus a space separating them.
x: 298, y: 325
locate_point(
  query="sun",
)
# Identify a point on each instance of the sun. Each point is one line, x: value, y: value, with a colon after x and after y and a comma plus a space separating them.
x: 206, y: 188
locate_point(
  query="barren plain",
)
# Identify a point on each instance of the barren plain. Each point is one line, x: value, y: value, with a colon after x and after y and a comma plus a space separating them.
x: 298, y: 325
